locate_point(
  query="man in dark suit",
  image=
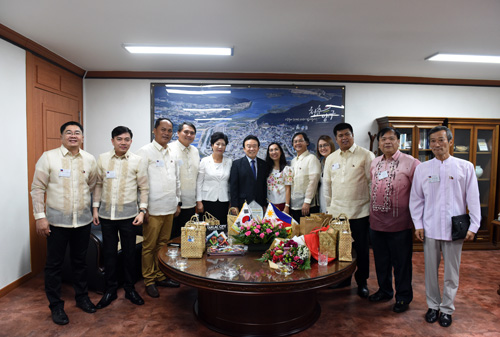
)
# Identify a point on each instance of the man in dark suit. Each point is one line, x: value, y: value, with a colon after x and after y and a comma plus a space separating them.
x: 248, y: 176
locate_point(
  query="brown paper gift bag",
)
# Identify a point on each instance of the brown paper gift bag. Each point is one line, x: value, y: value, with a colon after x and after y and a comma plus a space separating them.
x: 341, y: 223
x: 323, y: 216
x: 308, y: 223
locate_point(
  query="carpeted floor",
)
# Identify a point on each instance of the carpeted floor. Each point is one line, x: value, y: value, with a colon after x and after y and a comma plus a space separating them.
x: 24, y: 311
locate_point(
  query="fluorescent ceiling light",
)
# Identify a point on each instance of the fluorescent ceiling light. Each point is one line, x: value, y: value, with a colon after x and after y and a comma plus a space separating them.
x: 194, y: 92
x: 138, y: 49
x: 213, y: 119
x: 196, y: 86
x: 464, y: 58
x: 208, y: 110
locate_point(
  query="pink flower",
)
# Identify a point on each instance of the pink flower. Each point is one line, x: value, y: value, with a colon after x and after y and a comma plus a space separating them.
x: 256, y: 230
x: 277, y: 233
x: 268, y: 230
x: 248, y: 233
x: 262, y: 235
x: 258, y: 226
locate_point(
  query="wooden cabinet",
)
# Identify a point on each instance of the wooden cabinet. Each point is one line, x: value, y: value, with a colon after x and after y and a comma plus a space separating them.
x: 475, y: 140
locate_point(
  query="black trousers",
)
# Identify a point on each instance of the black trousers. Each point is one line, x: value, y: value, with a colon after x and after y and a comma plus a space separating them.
x: 57, y: 242
x: 180, y: 220
x: 218, y: 209
x: 110, y: 230
x: 360, y: 233
x: 394, y: 250
x: 296, y: 214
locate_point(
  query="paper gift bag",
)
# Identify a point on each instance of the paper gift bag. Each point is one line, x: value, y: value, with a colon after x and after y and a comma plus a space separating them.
x: 323, y: 216
x: 309, y: 223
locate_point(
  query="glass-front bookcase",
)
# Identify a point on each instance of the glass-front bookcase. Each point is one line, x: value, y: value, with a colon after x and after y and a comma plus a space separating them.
x: 475, y: 140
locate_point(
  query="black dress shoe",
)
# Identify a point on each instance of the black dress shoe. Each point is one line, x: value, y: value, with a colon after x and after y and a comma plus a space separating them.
x: 86, y: 305
x: 445, y: 320
x: 152, y: 291
x: 106, y: 300
x: 379, y: 296
x: 363, y: 291
x: 59, y: 316
x: 168, y: 283
x: 134, y: 297
x: 400, y: 307
x: 432, y: 315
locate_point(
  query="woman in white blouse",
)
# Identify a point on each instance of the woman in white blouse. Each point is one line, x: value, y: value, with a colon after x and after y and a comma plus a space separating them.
x: 280, y: 178
x: 212, y: 185
x: 324, y: 148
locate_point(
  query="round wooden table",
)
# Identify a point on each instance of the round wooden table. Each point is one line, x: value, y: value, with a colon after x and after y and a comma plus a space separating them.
x: 258, y: 301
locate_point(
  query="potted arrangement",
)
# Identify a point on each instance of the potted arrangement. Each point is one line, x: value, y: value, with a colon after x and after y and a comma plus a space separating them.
x: 260, y: 234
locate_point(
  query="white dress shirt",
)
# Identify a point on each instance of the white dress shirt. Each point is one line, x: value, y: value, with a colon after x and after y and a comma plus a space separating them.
x: 188, y: 160
x: 67, y: 180
x: 306, y: 174
x: 119, y: 178
x: 347, y: 182
x: 164, y: 181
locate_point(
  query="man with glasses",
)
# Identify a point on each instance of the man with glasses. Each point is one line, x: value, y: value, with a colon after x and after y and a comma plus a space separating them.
x: 443, y: 187
x: 66, y: 176
x: 307, y: 172
x: 248, y: 176
x: 347, y: 190
x: 188, y: 160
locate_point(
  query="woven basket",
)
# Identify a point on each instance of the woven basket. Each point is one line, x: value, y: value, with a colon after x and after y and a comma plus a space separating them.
x: 345, y: 238
x: 193, y: 236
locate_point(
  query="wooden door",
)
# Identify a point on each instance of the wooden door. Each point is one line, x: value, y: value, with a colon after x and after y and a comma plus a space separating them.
x: 49, y: 105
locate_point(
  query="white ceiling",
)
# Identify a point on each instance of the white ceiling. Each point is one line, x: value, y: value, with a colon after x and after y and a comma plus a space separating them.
x: 350, y: 37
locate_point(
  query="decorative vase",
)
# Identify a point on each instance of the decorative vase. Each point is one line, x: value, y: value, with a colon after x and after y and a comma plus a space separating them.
x: 479, y: 171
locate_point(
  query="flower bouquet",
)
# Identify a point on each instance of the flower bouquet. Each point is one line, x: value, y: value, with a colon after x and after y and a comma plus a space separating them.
x: 289, y: 252
x: 261, y: 232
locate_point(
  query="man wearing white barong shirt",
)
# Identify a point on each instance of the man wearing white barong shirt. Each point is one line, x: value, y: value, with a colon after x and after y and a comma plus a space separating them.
x: 347, y: 190
x: 121, y: 174
x: 443, y: 187
x: 188, y: 160
x: 66, y: 176
x: 163, y: 204
x: 306, y: 174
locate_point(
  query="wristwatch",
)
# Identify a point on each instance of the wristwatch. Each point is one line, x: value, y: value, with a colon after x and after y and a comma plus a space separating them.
x: 143, y: 211
x: 179, y: 204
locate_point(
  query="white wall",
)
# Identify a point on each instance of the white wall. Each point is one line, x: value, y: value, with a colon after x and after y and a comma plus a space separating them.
x: 108, y: 103
x: 14, y: 240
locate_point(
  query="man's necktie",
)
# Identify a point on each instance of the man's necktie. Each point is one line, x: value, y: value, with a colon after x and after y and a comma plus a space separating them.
x: 253, y: 169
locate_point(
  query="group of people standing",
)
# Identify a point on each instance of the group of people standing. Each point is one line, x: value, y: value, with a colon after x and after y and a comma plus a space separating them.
x: 164, y: 184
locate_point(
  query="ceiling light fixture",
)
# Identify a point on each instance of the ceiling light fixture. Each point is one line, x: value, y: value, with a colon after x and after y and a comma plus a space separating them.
x: 464, y: 58
x: 193, y: 92
x: 139, y: 49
